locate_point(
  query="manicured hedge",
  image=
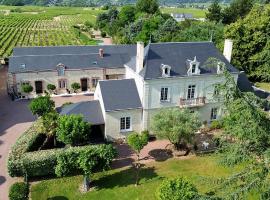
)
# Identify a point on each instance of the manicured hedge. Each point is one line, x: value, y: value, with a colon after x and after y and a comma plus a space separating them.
x: 42, y: 163
x: 19, y: 191
x: 23, y: 144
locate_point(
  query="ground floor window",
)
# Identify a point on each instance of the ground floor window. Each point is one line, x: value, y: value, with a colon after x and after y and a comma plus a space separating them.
x: 94, y: 82
x: 214, y: 112
x: 62, y: 83
x: 125, y: 124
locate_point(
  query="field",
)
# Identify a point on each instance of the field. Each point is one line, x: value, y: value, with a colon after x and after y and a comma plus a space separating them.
x: 42, y: 26
x: 119, y: 183
x: 197, y: 13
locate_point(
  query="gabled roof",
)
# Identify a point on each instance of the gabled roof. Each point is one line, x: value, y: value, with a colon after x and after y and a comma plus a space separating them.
x: 176, y: 55
x: 120, y: 95
x: 90, y: 110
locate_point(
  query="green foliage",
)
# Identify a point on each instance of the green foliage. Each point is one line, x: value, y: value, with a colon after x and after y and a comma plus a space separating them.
x: 51, y: 87
x: 27, y: 88
x: 137, y: 141
x: 72, y: 130
x: 22, y: 145
x: 252, y: 52
x: 66, y: 163
x: 103, y: 34
x: 214, y: 12
x: 19, y: 191
x: 50, y: 123
x: 41, y: 105
x: 127, y: 15
x: 147, y: 6
x: 176, y: 125
x: 216, y: 124
x: 75, y: 86
x: 177, y: 189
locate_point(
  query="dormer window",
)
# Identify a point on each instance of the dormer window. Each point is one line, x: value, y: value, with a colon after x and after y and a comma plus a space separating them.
x: 193, y: 67
x: 166, y: 70
x: 220, y: 67
x: 22, y: 66
x: 61, y: 69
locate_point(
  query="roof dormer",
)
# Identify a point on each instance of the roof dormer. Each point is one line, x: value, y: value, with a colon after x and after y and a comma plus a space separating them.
x: 193, y: 67
x: 166, y: 70
x: 220, y: 67
x: 61, y: 69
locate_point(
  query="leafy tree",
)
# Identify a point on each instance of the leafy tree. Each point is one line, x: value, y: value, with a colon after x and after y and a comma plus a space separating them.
x: 51, y: 87
x: 41, y: 105
x: 127, y: 15
x: 176, y: 125
x: 214, y: 12
x: 50, y: 123
x: 252, y: 52
x: 147, y: 6
x: 177, y: 189
x: 27, y: 88
x: 72, y: 130
x: 237, y: 9
x: 137, y: 142
x: 75, y: 86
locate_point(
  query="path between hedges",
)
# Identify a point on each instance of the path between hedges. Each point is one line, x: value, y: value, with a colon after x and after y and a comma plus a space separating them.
x: 15, y: 118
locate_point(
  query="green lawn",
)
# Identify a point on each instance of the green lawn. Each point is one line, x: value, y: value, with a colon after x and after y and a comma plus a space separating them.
x: 119, y: 184
x: 264, y: 86
x: 197, y: 13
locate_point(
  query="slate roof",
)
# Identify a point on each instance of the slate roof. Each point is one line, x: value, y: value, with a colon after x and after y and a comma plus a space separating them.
x: 176, y: 54
x: 90, y: 110
x: 120, y: 95
x: 73, y: 57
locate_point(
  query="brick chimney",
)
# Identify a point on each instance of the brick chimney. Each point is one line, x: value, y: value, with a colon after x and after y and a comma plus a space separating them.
x: 140, y: 56
x: 227, y: 52
x: 101, y: 53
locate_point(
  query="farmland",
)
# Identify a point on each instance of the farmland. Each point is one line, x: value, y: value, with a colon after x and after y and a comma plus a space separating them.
x: 42, y: 26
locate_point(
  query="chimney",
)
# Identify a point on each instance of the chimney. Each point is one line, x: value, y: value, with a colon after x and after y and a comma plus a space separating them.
x: 140, y: 56
x: 227, y: 52
x: 101, y: 53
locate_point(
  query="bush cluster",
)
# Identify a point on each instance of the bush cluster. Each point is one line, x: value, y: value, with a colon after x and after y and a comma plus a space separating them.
x: 23, y: 144
x: 19, y: 191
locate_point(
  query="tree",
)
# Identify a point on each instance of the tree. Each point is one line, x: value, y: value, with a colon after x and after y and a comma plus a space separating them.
x: 126, y: 15
x: 41, y: 105
x: 50, y: 124
x: 137, y: 142
x: 27, y: 88
x: 72, y: 130
x: 252, y: 52
x: 75, y: 86
x: 214, y: 12
x: 176, y: 125
x: 177, y: 189
x: 147, y: 6
x: 51, y: 87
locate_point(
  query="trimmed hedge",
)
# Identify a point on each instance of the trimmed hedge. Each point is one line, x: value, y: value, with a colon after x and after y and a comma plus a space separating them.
x: 19, y: 191
x: 23, y: 144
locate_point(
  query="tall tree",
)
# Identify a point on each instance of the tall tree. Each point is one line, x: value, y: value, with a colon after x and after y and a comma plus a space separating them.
x: 147, y: 6
x: 41, y: 105
x: 137, y: 142
x: 214, y: 12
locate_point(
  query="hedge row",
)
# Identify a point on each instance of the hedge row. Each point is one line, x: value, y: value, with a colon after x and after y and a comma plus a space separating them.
x: 19, y: 191
x: 23, y: 144
x: 43, y: 163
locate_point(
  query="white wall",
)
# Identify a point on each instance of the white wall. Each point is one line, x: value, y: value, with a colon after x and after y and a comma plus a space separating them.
x: 112, y: 123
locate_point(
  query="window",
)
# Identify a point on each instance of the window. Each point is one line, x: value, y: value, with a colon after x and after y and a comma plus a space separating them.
x: 164, y: 94
x: 214, y: 113
x: 165, y: 70
x: 193, y: 68
x: 62, y: 84
x: 94, y: 82
x: 216, y: 90
x: 61, y: 71
x: 191, y: 91
x: 125, y: 124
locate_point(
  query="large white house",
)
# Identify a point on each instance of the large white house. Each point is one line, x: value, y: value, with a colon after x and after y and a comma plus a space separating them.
x: 160, y: 75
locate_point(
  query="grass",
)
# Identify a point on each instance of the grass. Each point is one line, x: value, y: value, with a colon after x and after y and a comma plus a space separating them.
x: 264, y: 86
x: 119, y: 183
x: 197, y: 13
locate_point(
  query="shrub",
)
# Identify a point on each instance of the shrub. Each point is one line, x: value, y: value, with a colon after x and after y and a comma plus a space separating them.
x: 51, y: 87
x: 75, y: 86
x: 72, y: 129
x: 41, y: 105
x: 19, y: 191
x: 27, y: 88
x: 23, y: 144
x: 103, y: 34
x: 177, y: 189
x: 216, y: 124
x: 66, y: 104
